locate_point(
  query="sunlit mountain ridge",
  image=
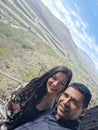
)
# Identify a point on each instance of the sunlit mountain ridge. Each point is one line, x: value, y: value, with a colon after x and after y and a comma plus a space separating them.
x: 33, y: 40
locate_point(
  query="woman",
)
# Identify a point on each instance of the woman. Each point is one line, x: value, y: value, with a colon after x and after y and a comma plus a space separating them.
x: 36, y: 97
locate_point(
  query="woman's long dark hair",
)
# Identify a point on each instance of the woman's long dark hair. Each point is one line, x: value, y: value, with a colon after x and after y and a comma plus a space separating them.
x: 37, y: 87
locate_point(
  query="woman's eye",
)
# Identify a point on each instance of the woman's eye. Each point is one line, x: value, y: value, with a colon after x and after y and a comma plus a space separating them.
x: 62, y: 83
x: 57, y: 79
x: 65, y: 94
x: 54, y: 77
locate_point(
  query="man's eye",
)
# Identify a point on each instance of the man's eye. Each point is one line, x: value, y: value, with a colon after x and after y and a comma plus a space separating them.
x: 76, y: 103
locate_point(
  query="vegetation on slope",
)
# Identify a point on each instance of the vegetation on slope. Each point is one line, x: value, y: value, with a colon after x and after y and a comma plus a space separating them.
x: 28, y: 48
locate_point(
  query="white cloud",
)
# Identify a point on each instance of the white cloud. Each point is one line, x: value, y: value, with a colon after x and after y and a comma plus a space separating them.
x: 77, y: 8
x: 95, y: 60
x: 77, y: 26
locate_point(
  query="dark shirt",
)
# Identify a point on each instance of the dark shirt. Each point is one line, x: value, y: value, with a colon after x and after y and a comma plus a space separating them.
x: 49, y: 122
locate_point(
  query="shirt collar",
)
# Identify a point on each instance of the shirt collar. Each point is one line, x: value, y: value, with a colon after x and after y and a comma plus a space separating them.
x: 72, y: 124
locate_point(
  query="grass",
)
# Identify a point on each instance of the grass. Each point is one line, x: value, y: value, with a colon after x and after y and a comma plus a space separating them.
x: 24, y: 54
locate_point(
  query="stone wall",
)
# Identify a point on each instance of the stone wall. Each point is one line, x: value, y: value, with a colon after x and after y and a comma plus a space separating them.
x: 90, y: 120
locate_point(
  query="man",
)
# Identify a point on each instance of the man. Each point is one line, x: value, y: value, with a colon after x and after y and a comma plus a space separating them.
x: 72, y: 104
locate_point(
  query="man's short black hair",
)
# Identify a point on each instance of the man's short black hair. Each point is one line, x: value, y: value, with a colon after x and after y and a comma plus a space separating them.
x: 84, y: 90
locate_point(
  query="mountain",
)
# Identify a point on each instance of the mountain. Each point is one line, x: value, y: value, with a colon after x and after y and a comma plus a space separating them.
x: 33, y: 40
x: 88, y: 60
x: 51, y: 22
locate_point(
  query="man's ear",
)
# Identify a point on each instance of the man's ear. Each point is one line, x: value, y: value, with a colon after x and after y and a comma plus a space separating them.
x: 83, y: 112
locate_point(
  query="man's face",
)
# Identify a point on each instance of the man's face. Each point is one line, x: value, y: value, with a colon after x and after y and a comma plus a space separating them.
x: 70, y: 104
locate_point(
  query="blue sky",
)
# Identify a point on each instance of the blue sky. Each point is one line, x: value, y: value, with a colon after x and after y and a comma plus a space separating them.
x: 81, y: 17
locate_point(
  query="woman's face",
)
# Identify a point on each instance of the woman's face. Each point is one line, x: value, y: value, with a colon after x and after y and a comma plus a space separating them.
x: 56, y: 83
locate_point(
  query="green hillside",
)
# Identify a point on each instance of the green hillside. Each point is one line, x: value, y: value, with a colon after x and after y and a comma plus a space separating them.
x: 29, y: 46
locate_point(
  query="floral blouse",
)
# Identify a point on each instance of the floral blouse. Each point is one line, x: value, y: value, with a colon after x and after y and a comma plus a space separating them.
x: 14, y: 109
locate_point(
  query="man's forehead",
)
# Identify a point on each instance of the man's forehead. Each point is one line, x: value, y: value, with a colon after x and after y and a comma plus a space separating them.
x: 71, y: 90
x: 74, y: 92
x: 71, y: 87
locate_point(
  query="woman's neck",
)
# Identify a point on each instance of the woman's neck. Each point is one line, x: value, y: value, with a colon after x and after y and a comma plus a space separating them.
x: 49, y: 96
x: 47, y: 102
